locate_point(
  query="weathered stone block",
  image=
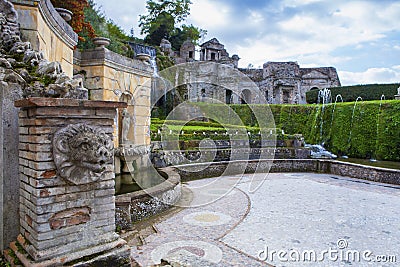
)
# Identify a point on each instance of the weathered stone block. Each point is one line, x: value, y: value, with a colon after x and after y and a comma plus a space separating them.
x: 9, y: 181
x: 60, y: 112
x: 35, y: 139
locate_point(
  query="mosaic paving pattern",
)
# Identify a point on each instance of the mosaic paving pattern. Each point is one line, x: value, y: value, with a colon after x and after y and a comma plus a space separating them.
x: 197, y: 249
x: 293, y: 210
x: 206, y: 218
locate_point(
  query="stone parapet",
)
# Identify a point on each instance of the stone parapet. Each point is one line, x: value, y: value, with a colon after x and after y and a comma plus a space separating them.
x: 376, y: 174
x: 94, y: 57
x: 67, y: 202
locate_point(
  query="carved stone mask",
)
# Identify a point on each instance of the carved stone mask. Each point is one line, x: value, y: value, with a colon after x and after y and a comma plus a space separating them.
x: 81, y: 153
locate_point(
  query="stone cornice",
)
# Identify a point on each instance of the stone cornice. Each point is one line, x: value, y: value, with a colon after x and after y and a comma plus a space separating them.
x: 66, y: 102
x: 96, y: 57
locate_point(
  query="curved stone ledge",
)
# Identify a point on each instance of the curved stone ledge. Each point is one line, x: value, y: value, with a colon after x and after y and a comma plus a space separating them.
x: 136, y: 206
x: 390, y: 176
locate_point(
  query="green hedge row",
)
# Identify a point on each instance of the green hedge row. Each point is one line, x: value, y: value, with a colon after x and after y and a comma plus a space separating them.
x: 350, y: 93
x: 365, y: 130
x: 198, y: 130
x: 368, y: 129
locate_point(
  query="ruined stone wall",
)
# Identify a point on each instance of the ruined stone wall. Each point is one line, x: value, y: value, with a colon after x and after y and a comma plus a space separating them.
x: 286, y: 82
x: 322, y: 77
x: 46, y: 30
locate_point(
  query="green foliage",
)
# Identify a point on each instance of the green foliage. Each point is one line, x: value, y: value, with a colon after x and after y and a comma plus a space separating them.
x: 4, y: 263
x: 373, y: 131
x: 350, y: 93
x: 196, y: 130
x: 161, y: 22
x: 46, y: 80
x: 188, y: 32
x: 105, y: 28
x: 163, y: 61
x: 178, y: 10
x: 162, y: 27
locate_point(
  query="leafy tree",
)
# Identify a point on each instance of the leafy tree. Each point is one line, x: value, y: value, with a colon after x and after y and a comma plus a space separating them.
x: 80, y: 25
x: 187, y: 32
x: 177, y: 9
x: 162, y: 19
x: 162, y: 27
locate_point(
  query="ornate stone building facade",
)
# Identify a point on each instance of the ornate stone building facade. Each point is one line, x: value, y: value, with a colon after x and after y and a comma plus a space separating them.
x: 287, y: 83
x: 279, y: 82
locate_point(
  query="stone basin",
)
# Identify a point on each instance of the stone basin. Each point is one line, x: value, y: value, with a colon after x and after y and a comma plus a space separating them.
x: 128, y: 154
x: 143, y: 57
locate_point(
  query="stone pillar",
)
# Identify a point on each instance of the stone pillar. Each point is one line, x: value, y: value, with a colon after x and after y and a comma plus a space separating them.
x: 9, y: 179
x: 67, y: 202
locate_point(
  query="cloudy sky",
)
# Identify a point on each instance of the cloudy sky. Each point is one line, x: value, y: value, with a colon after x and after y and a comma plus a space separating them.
x: 360, y: 38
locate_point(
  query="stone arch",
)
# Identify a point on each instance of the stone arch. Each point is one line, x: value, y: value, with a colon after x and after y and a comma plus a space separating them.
x: 245, y: 96
x: 228, y: 96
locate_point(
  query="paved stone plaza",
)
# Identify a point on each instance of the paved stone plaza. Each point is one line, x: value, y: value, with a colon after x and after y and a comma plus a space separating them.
x: 291, y: 218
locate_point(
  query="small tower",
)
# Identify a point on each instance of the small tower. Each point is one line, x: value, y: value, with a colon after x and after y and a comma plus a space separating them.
x: 187, y: 50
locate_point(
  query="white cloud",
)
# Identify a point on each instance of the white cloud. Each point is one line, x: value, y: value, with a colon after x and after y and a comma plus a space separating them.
x: 311, y: 35
x: 296, y: 3
x: 208, y: 15
x: 312, y: 32
x: 124, y: 13
x: 371, y: 75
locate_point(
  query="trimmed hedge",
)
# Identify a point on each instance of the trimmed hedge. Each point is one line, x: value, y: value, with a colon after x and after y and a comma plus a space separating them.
x: 373, y: 131
x: 198, y: 130
x: 350, y: 93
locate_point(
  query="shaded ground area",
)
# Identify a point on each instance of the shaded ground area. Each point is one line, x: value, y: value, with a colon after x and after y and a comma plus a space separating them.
x: 293, y: 219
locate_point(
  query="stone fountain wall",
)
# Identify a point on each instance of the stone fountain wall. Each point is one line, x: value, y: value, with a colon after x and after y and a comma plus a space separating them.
x: 31, y: 34
x: 112, y: 77
x: 67, y: 202
x: 23, y: 72
x: 222, y: 151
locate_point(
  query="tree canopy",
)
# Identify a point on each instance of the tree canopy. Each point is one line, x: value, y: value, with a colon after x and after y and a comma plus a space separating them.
x: 157, y: 10
x: 79, y: 23
x: 162, y: 21
x: 89, y: 21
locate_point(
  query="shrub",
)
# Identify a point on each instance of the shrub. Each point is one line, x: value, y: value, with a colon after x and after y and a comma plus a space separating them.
x: 350, y: 93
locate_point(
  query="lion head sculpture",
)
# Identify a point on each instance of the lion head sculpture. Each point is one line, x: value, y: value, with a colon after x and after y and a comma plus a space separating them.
x: 81, y: 153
